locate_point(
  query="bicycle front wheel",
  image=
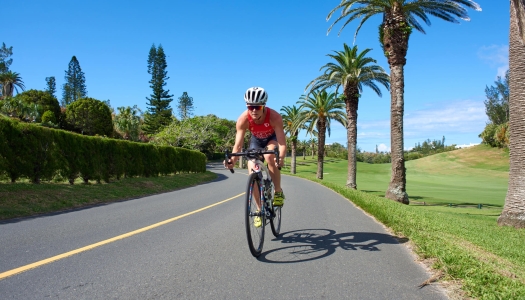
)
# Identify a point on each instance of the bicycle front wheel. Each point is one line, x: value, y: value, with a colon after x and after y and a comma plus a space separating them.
x: 275, y: 222
x: 255, y: 219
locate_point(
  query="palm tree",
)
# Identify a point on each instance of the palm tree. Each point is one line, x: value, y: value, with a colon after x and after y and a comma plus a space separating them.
x: 352, y: 70
x: 16, y: 108
x: 11, y: 81
x: 128, y: 122
x: 303, y: 145
x: 399, y: 18
x: 319, y: 108
x: 313, y: 142
x: 513, y: 213
x: 291, y: 116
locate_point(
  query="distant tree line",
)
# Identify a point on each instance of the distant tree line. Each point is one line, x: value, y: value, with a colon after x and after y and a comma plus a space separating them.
x: 419, y: 150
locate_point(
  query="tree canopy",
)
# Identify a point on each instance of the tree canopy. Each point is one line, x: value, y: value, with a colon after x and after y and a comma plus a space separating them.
x: 497, y: 102
x: 208, y: 134
x: 10, y: 82
x: 127, y: 122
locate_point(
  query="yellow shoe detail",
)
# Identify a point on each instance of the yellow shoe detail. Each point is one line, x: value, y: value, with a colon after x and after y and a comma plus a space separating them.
x: 278, y: 199
x: 257, y: 221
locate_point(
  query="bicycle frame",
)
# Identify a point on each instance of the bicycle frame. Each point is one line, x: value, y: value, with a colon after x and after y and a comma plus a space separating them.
x: 260, y: 168
x: 265, y: 192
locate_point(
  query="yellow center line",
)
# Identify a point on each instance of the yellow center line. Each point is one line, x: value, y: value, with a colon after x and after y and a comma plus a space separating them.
x: 101, y: 243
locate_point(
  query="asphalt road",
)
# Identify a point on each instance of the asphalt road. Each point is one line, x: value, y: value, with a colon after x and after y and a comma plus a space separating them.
x: 168, y: 247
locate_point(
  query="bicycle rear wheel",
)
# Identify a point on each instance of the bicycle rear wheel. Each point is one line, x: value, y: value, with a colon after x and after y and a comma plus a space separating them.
x: 275, y: 222
x: 254, y: 234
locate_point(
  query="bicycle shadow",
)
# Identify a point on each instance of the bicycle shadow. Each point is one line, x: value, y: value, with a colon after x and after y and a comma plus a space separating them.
x: 311, y: 244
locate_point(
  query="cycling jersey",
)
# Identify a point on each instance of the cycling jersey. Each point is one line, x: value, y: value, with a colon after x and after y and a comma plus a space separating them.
x: 261, y: 131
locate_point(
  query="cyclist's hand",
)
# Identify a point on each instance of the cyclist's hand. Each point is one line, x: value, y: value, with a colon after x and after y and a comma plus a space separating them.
x: 228, y: 164
x: 280, y: 164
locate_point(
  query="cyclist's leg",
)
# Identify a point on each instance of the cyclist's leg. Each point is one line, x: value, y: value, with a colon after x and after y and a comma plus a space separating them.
x: 275, y: 173
x: 254, y: 144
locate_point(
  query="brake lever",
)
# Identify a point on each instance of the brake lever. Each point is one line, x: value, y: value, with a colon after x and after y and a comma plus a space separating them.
x: 228, y: 160
x: 276, y: 152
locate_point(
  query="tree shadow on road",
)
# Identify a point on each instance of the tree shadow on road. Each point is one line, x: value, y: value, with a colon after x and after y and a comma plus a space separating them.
x: 311, y: 244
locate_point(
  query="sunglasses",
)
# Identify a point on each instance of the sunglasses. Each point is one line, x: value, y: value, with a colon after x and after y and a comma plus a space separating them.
x: 255, y: 107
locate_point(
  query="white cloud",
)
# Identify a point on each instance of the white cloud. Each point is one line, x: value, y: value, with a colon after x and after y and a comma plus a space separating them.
x: 502, y: 71
x: 383, y: 148
x: 457, y: 117
x: 497, y: 56
x: 374, y: 124
x: 460, y: 121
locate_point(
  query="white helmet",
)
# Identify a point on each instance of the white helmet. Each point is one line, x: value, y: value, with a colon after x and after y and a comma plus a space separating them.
x: 255, y: 96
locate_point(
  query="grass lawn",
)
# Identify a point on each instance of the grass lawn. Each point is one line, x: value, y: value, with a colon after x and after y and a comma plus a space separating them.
x: 23, y: 199
x: 464, y: 244
x: 463, y: 178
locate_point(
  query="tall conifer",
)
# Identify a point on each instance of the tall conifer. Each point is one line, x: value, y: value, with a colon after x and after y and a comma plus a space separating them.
x: 185, y: 106
x: 51, y: 85
x: 75, y: 86
x: 5, y: 61
x: 159, y: 112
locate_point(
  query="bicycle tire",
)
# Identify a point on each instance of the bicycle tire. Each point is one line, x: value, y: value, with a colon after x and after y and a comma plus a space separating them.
x: 254, y: 235
x: 275, y: 222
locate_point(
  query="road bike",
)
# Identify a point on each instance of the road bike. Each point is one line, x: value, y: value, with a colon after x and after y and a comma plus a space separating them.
x: 259, y: 199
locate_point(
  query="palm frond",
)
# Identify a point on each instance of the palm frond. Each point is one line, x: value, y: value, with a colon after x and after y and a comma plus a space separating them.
x: 448, y: 10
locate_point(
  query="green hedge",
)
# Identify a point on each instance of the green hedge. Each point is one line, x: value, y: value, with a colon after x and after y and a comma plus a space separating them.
x: 40, y: 153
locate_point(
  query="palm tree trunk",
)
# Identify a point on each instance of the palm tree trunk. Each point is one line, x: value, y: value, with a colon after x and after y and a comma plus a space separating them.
x: 321, y: 125
x: 352, y: 102
x: 397, y: 187
x: 294, y: 147
x: 513, y: 213
x: 395, y: 45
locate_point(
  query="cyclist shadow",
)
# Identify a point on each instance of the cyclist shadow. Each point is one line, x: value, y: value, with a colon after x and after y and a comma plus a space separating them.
x: 311, y: 244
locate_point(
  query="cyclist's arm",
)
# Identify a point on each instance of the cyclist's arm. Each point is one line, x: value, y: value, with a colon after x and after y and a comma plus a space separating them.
x: 277, y: 124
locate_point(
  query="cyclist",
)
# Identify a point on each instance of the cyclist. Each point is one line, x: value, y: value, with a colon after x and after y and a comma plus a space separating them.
x: 266, y: 127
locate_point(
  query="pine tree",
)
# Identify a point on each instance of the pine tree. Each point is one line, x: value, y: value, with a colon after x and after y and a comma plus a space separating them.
x: 497, y: 102
x: 75, y: 86
x: 51, y: 85
x: 185, y: 106
x: 5, y: 62
x: 159, y: 112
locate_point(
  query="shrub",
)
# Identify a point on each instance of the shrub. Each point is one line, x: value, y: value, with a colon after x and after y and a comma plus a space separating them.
x: 40, y: 153
x: 49, y: 117
x: 496, y: 135
x: 487, y: 136
x: 501, y: 135
x: 90, y: 117
x: 44, y: 100
x: 413, y: 155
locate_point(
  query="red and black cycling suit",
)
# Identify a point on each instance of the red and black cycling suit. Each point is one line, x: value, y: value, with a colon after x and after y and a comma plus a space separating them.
x: 263, y: 133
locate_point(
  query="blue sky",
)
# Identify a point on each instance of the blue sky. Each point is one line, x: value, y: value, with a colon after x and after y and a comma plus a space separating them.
x: 217, y: 49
